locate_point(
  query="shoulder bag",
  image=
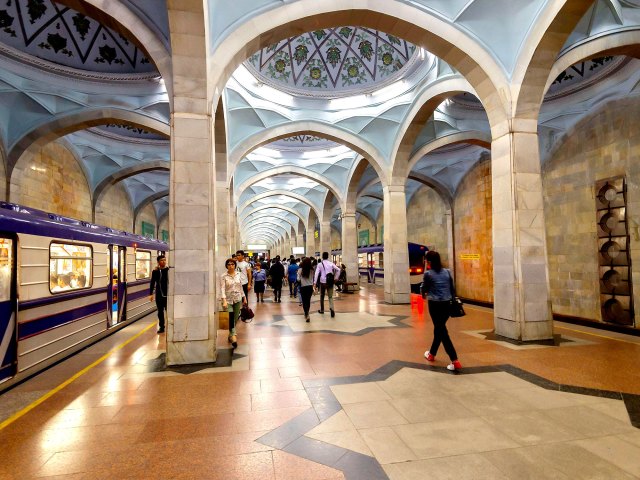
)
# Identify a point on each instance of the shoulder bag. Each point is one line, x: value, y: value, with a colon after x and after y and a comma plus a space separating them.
x: 455, y: 304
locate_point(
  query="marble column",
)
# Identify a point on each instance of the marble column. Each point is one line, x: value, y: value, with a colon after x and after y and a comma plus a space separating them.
x: 350, y: 245
x: 522, y: 308
x: 299, y: 240
x: 325, y: 237
x: 310, y: 247
x: 223, y: 226
x: 397, y: 288
x: 191, y: 323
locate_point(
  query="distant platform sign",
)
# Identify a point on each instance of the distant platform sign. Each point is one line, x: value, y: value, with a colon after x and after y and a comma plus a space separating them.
x: 469, y: 256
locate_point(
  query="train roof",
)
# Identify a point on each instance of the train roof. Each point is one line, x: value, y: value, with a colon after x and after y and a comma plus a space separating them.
x: 19, y: 219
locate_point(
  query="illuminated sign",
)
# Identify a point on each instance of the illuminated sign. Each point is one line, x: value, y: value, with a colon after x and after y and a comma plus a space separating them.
x: 469, y: 256
x: 256, y: 247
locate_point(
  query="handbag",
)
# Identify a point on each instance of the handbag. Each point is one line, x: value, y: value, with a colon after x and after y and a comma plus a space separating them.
x: 246, y: 314
x: 455, y: 304
x: 455, y: 308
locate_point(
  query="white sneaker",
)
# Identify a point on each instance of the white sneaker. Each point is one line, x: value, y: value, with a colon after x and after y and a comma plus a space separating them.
x: 429, y: 357
x: 455, y: 365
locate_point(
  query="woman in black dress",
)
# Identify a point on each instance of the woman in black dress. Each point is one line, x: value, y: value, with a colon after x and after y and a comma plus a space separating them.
x: 276, y: 272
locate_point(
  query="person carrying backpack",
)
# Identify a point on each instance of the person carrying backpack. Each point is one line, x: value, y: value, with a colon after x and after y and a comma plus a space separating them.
x: 326, y: 274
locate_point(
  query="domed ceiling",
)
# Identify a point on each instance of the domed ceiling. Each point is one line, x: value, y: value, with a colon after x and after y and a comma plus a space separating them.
x: 53, y: 32
x: 306, y: 142
x: 336, y: 60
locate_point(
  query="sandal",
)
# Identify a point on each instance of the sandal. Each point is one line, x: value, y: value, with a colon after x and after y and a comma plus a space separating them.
x: 233, y: 339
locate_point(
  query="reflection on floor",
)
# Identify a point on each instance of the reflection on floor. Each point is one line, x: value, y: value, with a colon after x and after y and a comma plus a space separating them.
x: 344, y: 398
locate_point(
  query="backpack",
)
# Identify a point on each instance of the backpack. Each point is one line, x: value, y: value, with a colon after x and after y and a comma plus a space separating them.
x: 330, y: 280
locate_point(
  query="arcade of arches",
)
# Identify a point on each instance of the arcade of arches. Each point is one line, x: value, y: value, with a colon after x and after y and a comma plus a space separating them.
x: 306, y: 123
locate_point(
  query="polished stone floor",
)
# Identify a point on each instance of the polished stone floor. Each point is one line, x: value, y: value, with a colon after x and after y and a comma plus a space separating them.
x: 347, y: 397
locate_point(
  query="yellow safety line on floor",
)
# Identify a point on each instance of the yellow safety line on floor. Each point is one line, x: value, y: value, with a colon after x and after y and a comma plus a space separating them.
x: 33, y: 405
x: 596, y: 335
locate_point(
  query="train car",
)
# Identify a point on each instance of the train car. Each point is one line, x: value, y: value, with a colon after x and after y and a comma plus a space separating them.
x: 65, y: 284
x: 371, y: 263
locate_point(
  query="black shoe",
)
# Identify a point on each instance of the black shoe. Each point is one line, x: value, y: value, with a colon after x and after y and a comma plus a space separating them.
x: 308, y: 319
x: 161, y: 330
x: 333, y: 314
x: 320, y: 311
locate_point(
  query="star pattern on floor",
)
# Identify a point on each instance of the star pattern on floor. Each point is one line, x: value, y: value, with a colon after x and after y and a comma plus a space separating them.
x: 411, y: 421
x: 347, y: 323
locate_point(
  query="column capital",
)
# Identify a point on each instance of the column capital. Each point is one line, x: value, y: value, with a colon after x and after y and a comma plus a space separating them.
x: 394, y: 188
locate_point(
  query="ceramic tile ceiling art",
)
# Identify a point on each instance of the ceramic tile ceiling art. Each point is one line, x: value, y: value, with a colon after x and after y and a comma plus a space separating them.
x: 58, y: 34
x: 341, y: 59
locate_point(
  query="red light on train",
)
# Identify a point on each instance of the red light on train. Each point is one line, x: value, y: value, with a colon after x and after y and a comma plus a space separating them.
x: 418, y: 270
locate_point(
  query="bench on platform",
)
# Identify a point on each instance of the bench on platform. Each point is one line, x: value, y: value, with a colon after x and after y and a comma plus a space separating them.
x: 350, y: 287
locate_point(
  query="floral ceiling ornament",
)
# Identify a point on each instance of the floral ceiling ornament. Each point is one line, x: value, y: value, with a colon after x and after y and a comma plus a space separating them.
x: 339, y: 59
x: 56, y: 33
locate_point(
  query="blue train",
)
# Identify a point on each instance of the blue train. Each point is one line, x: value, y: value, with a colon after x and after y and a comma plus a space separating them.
x: 64, y: 284
x: 371, y: 263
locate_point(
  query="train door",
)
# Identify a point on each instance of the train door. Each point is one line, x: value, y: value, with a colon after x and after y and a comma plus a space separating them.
x: 8, y: 299
x: 117, y: 290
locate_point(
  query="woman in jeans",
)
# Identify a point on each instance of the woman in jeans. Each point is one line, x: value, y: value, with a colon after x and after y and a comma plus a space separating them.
x: 305, y: 277
x: 437, y: 285
x: 232, y: 297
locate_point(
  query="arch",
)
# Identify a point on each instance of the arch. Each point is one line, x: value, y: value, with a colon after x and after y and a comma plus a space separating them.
x: 442, y: 190
x: 119, y: 17
x: 353, y: 181
x: 539, y: 54
x: 371, y: 195
x: 288, y: 169
x: 259, y: 235
x: 421, y: 111
x: 308, y: 127
x: 473, y: 137
x: 623, y: 43
x: 395, y: 17
x: 244, y: 215
x: 261, y: 219
x: 258, y: 222
x: 482, y: 157
x: 273, y: 193
x: 368, y: 217
x: 155, y: 165
x: 64, y: 124
x: 147, y: 201
x: 328, y: 207
x: 267, y: 228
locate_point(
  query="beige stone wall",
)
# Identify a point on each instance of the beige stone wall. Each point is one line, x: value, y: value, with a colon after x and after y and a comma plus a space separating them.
x: 164, y: 225
x: 472, y: 233
x: 427, y: 221
x: 114, y: 209
x: 51, y: 179
x: 336, y: 240
x: 365, y: 224
x: 380, y: 222
x: 604, y: 145
x: 148, y: 214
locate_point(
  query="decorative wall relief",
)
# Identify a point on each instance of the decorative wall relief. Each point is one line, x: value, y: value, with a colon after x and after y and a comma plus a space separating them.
x: 616, y: 294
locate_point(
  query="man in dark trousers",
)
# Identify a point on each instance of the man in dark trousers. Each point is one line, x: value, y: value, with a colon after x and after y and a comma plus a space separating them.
x: 160, y: 283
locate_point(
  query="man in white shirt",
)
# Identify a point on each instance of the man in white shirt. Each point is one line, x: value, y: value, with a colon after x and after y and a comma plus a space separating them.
x: 244, y: 268
x: 325, y: 267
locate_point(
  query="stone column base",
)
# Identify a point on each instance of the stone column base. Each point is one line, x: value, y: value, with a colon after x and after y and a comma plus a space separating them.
x: 192, y: 352
x: 525, y: 332
x: 397, y: 298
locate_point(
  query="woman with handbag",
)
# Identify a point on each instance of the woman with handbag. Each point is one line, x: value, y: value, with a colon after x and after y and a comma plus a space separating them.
x: 305, y: 277
x: 437, y: 286
x: 233, y: 298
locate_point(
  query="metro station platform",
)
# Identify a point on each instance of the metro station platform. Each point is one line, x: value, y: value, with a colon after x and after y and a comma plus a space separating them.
x: 349, y: 397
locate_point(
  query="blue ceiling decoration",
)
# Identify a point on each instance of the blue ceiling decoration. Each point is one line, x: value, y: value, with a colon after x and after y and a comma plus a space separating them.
x: 130, y: 131
x: 334, y: 59
x: 55, y: 33
x: 584, y: 74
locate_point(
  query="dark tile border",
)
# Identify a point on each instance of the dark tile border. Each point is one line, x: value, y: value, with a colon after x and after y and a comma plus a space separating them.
x: 290, y: 438
x: 396, y: 321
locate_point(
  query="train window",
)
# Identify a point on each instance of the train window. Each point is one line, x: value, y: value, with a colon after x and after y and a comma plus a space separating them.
x: 6, y: 265
x: 70, y: 267
x: 143, y: 264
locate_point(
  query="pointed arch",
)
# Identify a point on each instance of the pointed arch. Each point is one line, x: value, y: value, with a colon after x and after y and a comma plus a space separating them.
x: 422, y: 27
x: 64, y: 124
x: 288, y: 169
x: 308, y: 127
x: 278, y: 192
x: 120, y: 175
x: 246, y: 213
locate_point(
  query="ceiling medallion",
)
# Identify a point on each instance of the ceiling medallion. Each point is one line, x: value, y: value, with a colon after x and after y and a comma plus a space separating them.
x: 58, y: 34
x: 342, y: 59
